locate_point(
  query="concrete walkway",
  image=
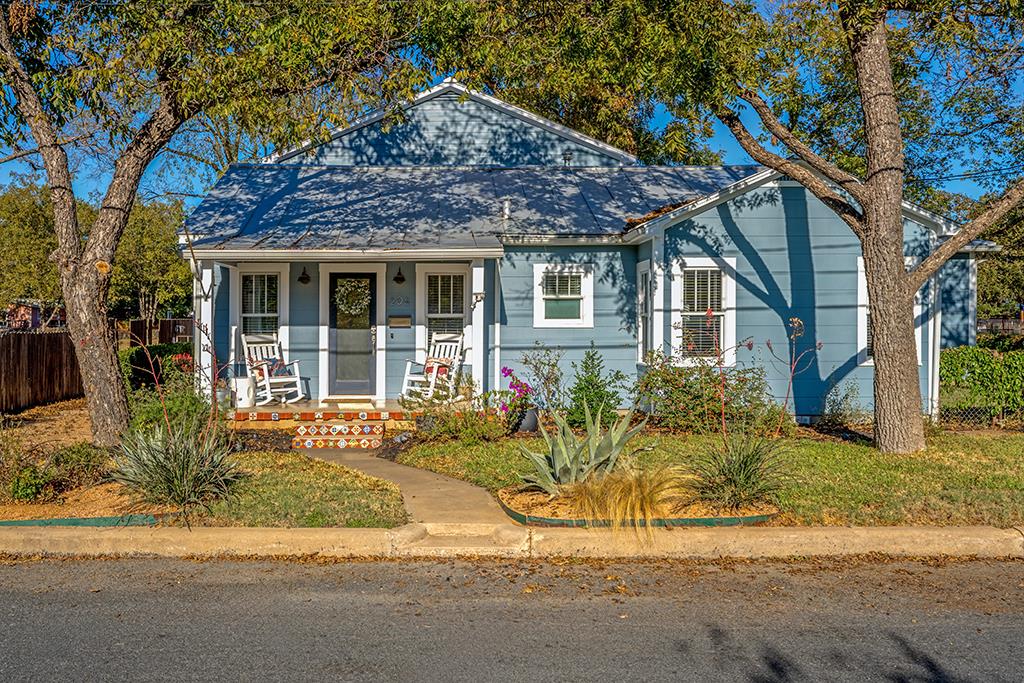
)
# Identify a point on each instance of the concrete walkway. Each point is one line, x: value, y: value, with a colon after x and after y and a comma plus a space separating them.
x: 430, y: 498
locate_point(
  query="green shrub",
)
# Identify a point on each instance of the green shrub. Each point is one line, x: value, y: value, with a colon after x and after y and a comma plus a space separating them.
x: 973, y: 378
x: 571, y: 459
x: 843, y: 408
x: 687, y: 398
x: 745, y: 469
x: 464, y: 424
x: 180, y: 397
x: 187, y: 466
x: 135, y: 367
x: 79, y: 465
x: 28, y: 483
x: 592, y: 388
x: 1001, y: 342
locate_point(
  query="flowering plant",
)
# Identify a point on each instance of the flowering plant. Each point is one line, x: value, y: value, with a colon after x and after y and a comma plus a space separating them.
x: 512, y: 403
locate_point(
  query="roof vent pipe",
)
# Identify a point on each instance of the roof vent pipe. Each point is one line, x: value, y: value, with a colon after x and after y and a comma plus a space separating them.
x: 506, y: 209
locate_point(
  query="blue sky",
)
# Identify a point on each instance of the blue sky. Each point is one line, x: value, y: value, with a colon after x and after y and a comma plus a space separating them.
x: 91, y: 180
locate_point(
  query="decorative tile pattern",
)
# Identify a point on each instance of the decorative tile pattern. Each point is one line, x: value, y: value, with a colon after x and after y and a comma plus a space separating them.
x: 319, y: 442
x: 355, y: 429
x: 319, y: 416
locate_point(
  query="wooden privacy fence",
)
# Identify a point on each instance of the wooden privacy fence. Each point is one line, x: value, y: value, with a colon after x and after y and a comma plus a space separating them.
x: 37, y: 368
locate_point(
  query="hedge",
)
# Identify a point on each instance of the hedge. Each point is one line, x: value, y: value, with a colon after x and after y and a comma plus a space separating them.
x: 983, y: 377
x: 135, y: 365
x: 1001, y: 342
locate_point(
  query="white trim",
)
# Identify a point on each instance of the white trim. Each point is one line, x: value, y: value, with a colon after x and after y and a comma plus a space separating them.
x: 728, y: 267
x: 346, y: 255
x: 477, y: 316
x: 936, y: 344
x: 450, y: 85
x: 497, y: 326
x: 586, y: 271
x: 863, y: 305
x: 203, y: 297
x: 323, y: 354
x: 644, y: 268
x: 658, y: 274
x: 424, y: 269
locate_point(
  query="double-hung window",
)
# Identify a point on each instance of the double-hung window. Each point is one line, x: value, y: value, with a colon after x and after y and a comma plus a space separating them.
x: 446, y: 304
x: 865, y: 336
x: 564, y: 296
x: 704, y: 309
x: 260, y: 303
x: 702, y: 313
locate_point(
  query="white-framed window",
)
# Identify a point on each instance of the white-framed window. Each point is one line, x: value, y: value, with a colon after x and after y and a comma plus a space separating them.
x: 563, y: 295
x: 704, y: 309
x: 644, y: 310
x: 260, y: 303
x: 865, y: 345
x: 446, y: 304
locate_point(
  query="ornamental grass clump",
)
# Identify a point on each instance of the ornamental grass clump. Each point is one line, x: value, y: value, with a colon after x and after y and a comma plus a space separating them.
x: 571, y: 459
x: 742, y: 470
x: 630, y: 496
x: 184, y: 464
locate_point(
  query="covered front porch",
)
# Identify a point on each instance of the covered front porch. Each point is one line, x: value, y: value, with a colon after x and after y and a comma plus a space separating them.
x: 351, y: 325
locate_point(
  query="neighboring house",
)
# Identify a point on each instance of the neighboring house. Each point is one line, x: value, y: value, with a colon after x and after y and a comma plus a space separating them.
x: 473, y: 215
x: 30, y: 314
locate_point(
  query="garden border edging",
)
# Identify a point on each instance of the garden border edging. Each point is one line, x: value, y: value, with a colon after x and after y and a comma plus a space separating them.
x: 509, y: 541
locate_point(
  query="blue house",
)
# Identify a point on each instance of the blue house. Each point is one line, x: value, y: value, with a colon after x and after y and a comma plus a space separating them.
x: 474, y: 216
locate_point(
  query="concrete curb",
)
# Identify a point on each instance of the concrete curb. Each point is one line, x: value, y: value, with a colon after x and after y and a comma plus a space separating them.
x: 510, y: 541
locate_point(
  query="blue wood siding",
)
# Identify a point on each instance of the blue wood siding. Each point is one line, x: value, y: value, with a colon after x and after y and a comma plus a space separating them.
x: 959, y: 311
x: 444, y: 131
x: 794, y: 258
x: 614, y: 331
x: 221, y: 331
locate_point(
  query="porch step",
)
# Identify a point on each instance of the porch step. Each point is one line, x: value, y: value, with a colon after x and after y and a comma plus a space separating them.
x: 339, y: 435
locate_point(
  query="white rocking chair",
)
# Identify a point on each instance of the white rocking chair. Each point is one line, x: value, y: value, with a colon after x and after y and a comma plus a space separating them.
x: 444, y: 358
x: 264, y: 361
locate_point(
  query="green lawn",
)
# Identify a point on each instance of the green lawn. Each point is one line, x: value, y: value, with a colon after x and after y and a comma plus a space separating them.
x: 960, y: 479
x: 292, y: 490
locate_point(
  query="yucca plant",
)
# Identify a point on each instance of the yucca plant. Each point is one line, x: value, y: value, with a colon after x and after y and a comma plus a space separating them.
x: 185, y: 465
x: 742, y: 470
x: 571, y: 459
x: 630, y: 496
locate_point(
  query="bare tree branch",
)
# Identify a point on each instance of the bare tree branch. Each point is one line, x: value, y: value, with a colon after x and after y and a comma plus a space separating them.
x: 850, y: 215
x: 847, y: 181
x: 988, y: 218
x: 21, y: 153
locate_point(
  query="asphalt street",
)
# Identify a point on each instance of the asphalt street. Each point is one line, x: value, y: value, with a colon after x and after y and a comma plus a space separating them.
x: 523, y: 621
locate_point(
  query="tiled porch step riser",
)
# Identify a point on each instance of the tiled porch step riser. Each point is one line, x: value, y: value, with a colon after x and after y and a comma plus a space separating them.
x: 317, y: 416
x: 314, y: 443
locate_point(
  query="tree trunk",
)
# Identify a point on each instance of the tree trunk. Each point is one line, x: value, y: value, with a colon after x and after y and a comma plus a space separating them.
x: 95, y: 346
x: 899, y: 425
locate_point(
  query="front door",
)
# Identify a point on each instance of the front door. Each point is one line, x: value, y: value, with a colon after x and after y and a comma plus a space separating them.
x: 353, y: 334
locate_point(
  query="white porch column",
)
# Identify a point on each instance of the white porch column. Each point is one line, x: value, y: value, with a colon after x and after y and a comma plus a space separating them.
x: 658, y: 290
x: 479, y: 352
x: 203, y: 333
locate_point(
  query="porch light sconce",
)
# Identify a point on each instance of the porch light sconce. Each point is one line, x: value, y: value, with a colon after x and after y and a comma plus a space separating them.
x: 398, y: 278
x: 478, y: 297
x: 304, y: 278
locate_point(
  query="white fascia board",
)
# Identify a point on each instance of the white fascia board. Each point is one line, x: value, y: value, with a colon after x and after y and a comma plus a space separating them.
x: 450, y: 85
x: 533, y: 240
x: 315, y: 256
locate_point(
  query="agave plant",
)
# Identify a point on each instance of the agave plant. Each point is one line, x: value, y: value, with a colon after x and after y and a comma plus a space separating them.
x: 571, y: 459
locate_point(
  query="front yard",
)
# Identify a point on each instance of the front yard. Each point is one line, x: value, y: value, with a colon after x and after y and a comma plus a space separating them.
x: 960, y: 479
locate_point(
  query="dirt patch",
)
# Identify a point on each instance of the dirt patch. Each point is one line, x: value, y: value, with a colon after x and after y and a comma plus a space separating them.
x: 51, y: 427
x: 539, y: 504
x: 103, y: 500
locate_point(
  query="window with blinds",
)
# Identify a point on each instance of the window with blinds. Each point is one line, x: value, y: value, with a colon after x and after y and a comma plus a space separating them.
x: 869, y: 350
x: 563, y: 296
x: 703, y: 314
x: 446, y: 304
x: 259, y: 303
x: 645, y: 305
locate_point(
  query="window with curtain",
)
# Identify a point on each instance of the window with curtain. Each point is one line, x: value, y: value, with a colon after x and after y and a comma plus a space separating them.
x: 703, y: 312
x: 259, y: 303
x: 446, y: 304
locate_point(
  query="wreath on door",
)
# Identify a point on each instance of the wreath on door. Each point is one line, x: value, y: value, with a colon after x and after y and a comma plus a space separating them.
x: 352, y: 296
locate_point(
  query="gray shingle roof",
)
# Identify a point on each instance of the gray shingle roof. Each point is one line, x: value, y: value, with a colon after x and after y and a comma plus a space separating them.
x: 271, y: 206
